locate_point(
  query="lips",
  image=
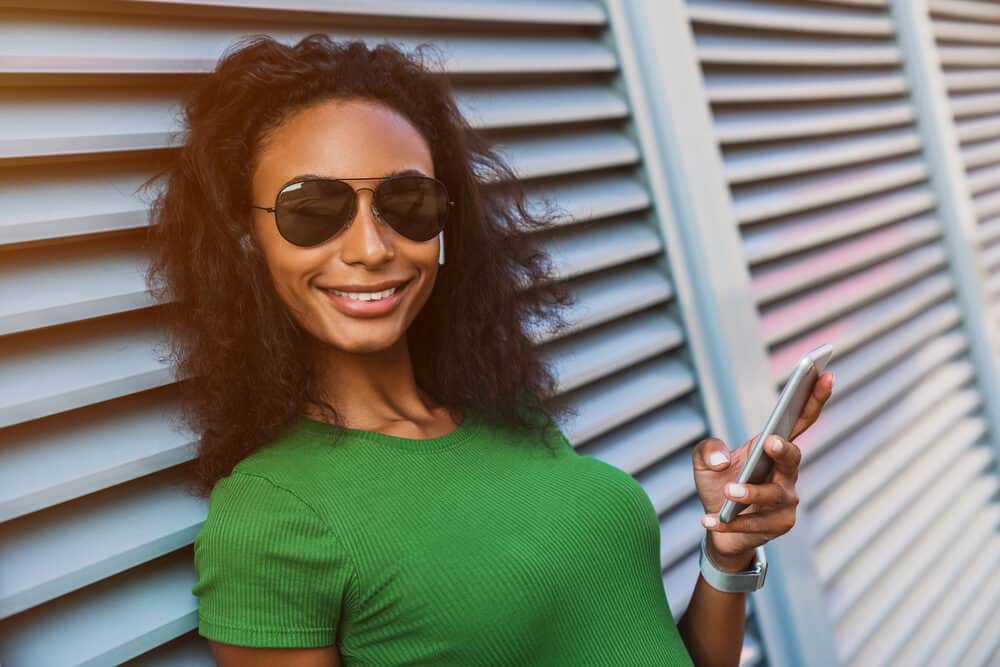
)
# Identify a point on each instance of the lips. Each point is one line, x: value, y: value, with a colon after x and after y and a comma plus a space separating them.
x: 377, y: 287
x: 372, y: 296
x: 357, y: 308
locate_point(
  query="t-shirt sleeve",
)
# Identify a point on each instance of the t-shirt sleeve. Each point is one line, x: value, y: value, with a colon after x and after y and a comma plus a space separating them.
x: 270, y: 571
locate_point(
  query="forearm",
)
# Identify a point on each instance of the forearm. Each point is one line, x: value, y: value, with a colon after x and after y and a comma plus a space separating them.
x: 713, y: 623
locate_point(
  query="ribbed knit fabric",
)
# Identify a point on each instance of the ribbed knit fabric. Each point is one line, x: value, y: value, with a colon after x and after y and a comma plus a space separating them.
x: 477, y: 547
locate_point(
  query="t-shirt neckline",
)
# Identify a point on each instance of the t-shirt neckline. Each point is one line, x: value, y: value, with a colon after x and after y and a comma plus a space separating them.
x: 470, y: 425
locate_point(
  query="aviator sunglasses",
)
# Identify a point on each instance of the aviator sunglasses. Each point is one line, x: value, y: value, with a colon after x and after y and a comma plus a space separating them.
x: 310, y: 211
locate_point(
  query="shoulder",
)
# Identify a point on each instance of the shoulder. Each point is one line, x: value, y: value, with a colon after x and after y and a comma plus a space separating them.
x: 303, y: 455
x: 256, y: 527
x: 554, y: 436
x: 249, y: 511
x: 270, y: 572
x: 542, y: 437
x: 292, y: 442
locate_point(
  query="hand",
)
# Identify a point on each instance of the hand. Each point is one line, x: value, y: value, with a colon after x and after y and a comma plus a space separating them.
x: 772, y: 504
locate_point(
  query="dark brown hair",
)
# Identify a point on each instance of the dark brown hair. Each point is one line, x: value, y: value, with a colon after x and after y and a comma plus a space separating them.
x: 241, y: 356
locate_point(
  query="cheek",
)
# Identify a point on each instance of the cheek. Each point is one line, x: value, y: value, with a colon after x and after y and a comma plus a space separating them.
x: 279, y: 269
x: 283, y: 269
x: 429, y: 281
x: 427, y: 259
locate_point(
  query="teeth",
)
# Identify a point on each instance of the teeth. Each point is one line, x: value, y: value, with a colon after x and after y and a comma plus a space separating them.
x: 365, y: 296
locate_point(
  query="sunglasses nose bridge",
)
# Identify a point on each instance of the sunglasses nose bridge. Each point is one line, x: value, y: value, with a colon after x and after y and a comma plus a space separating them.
x: 374, y: 206
x: 356, y: 207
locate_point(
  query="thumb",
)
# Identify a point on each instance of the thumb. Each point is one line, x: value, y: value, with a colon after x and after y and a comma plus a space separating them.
x: 711, y: 454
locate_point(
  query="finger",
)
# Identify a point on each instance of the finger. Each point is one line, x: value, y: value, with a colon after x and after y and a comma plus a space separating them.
x: 769, y: 495
x: 822, y: 390
x: 787, y: 457
x: 771, y: 522
x: 711, y: 454
x: 708, y: 518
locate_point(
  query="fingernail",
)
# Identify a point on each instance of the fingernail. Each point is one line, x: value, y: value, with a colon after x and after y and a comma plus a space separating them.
x: 737, y: 490
x: 708, y: 521
x: 717, y: 458
x: 776, y: 444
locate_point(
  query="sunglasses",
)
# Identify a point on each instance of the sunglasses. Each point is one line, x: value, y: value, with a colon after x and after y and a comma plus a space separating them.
x: 311, y: 211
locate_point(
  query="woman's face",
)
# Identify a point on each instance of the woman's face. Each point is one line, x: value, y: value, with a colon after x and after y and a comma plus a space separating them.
x: 346, y: 139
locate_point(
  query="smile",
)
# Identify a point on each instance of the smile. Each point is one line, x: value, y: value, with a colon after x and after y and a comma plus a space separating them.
x: 366, y: 304
x: 366, y: 296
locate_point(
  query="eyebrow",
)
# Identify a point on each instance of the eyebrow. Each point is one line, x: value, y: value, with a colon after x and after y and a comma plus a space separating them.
x: 396, y: 172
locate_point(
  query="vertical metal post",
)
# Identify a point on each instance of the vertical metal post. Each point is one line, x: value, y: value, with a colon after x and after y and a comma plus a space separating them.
x: 673, y: 121
x: 942, y: 151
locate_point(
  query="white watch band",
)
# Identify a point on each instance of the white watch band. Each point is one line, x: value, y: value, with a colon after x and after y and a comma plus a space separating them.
x: 734, y: 582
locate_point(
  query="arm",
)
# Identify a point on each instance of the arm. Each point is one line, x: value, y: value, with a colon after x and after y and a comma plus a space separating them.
x: 227, y: 655
x: 712, y: 626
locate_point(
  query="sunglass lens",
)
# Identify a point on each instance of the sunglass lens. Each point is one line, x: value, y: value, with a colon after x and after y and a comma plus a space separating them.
x: 310, y: 212
x: 415, y: 206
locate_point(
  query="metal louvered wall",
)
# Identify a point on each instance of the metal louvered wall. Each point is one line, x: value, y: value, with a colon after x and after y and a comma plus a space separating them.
x: 968, y: 48
x: 96, y: 561
x: 842, y: 236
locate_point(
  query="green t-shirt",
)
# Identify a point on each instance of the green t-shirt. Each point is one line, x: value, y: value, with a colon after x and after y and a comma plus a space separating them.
x: 477, y: 547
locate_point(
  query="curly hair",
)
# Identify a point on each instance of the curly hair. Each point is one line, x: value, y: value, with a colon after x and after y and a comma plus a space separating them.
x: 244, y: 375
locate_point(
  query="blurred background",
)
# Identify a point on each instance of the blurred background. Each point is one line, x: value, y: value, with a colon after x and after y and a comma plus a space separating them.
x: 743, y: 181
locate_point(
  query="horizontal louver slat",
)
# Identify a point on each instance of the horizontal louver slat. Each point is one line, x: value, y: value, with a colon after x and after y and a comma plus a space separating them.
x: 36, y: 43
x: 655, y: 436
x: 984, y: 644
x: 603, y: 297
x: 109, y: 622
x: 44, y: 287
x: 557, y: 12
x: 47, y: 462
x: 838, y: 503
x: 803, y: 18
x: 887, y: 591
x: 95, y: 361
x: 864, y: 324
x: 764, y: 86
x: 625, y: 396
x: 741, y: 126
x: 917, y: 618
x: 94, y: 538
x: 46, y: 124
x: 946, y: 595
x: 598, y: 353
x: 844, y: 550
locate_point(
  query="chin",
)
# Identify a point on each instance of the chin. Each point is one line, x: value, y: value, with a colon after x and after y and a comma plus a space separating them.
x: 363, y: 344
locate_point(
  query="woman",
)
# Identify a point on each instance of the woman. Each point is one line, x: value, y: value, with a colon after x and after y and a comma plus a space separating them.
x: 349, y: 302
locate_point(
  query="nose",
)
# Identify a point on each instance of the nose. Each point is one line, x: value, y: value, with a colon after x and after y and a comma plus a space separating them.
x: 365, y: 240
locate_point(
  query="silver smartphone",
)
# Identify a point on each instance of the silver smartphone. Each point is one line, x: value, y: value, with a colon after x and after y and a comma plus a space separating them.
x: 786, y: 412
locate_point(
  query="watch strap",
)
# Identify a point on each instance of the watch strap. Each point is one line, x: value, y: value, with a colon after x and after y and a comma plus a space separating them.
x: 746, y: 581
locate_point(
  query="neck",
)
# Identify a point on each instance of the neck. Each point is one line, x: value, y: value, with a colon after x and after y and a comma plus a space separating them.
x: 371, y: 389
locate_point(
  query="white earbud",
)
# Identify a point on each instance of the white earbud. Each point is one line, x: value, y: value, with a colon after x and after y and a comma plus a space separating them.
x: 441, y: 247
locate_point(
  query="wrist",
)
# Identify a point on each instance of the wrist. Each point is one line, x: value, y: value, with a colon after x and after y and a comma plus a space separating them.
x: 736, y: 563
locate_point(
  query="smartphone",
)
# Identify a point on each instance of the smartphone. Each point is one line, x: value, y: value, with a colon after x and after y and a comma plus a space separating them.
x: 786, y: 412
